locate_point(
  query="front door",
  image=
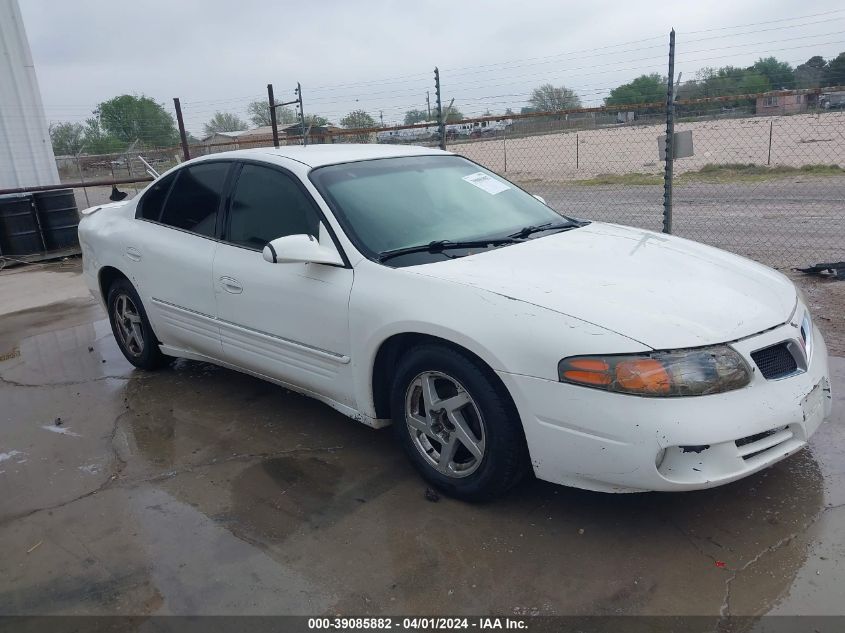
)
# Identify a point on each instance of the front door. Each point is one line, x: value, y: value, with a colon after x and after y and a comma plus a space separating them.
x: 286, y: 321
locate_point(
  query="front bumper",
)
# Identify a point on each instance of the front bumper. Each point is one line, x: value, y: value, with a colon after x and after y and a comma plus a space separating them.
x: 593, y: 439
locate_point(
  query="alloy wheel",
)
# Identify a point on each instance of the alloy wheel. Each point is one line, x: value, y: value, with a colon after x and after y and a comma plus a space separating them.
x: 129, y: 327
x: 445, y: 424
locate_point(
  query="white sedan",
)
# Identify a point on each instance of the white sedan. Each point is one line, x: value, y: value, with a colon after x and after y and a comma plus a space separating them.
x: 411, y: 286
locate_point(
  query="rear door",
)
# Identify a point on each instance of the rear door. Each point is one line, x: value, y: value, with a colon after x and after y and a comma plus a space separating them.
x: 172, y: 253
x: 286, y: 321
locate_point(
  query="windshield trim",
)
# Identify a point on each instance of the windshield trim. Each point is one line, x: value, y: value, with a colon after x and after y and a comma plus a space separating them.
x: 341, y: 218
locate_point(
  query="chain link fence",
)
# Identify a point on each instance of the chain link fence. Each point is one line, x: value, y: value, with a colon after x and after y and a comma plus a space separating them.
x: 767, y: 186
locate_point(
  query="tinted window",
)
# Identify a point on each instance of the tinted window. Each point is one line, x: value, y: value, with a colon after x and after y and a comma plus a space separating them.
x: 193, y: 202
x: 150, y: 206
x: 268, y: 204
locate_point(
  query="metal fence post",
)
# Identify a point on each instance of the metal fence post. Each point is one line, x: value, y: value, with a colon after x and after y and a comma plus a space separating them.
x: 670, y: 138
x: 82, y: 180
x: 301, y: 114
x: 272, y: 101
x: 441, y: 125
x: 183, y: 136
x: 577, y: 152
x: 505, y: 146
x: 771, y: 125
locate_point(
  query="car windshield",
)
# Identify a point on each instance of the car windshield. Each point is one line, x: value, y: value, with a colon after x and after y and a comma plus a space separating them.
x: 396, y: 203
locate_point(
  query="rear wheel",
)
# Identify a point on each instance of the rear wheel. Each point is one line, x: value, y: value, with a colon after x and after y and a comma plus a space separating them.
x: 457, y: 424
x: 131, y: 328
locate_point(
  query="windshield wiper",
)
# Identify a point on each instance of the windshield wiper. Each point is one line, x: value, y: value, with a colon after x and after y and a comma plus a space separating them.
x: 525, y: 231
x: 438, y: 246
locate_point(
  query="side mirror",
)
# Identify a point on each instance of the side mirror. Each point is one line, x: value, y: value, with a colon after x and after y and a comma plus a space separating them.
x: 292, y: 249
x: 540, y: 198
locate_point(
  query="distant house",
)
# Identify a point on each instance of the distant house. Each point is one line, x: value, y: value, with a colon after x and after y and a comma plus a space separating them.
x: 257, y: 137
x: 781, y: 104
x: 317, y: 134
x: 223, y: 141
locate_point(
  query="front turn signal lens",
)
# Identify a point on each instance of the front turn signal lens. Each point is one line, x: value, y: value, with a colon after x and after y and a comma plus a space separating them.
x: 692, y: 372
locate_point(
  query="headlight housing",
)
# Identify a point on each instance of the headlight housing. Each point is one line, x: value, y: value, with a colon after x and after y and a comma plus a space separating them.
x: 690, y: 372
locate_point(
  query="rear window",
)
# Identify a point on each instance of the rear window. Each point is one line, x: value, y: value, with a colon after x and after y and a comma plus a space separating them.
x: 194, y: 201
x: 150, y: 205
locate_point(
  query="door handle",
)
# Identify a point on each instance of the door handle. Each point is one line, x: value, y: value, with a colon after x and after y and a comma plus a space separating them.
x: 231, y: 285
x: 133, y: 253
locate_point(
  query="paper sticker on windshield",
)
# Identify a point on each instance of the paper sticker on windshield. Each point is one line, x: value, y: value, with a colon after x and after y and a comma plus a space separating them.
x: 483, y: 181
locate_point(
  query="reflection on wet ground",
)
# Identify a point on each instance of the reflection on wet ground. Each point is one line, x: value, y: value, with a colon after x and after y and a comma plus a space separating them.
x: 200, y: 490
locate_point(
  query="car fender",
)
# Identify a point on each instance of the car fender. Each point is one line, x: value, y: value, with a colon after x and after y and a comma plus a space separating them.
x: 508, y: 335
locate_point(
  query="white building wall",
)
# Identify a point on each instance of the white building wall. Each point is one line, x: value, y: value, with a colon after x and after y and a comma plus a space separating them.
x: 26, y: 155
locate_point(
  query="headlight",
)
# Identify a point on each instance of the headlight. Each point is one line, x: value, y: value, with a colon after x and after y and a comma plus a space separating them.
x: 691, y: 372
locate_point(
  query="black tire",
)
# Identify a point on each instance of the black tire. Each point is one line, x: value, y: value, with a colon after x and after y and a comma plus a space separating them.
x: 505, y: 456
x: 148, y: 355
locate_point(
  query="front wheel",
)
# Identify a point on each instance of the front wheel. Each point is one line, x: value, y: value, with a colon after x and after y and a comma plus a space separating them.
x: 457, y: 424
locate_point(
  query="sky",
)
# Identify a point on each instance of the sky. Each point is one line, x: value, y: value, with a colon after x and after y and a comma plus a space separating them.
x: 379, y: 55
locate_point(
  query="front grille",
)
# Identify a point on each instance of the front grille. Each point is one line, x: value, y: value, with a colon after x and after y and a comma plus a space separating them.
x: 775, y: 361
x: 757, y: 444
x: 756, y: 438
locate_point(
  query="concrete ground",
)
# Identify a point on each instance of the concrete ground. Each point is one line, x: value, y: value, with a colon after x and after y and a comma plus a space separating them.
x: 197, y: 490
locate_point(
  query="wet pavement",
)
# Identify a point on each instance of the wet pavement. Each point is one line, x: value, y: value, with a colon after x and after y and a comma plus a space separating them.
x: 198, y: 490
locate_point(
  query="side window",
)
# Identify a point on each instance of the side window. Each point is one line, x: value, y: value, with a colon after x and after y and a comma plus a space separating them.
x: 195, y: 198
x: 268, y: 204
x: 150, y: 205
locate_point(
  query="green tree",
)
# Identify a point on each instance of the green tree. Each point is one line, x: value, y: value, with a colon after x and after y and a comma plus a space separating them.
x: 835, y: 73
x: 259, y: 114
x: 97, y: 141
x: 415, y: 116
x: 547, y: 98
x: 67, y: 138
x: 811, y: 73
x: 357, y: 119
x: 452, y: 115
x: 780, y: 74
x: 224, y: 122
x: 129, y: 117
x: 644, y: 89
x: 315, y: 120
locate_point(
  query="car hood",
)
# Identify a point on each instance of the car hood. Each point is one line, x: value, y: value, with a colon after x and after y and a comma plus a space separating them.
x: 660, y: 290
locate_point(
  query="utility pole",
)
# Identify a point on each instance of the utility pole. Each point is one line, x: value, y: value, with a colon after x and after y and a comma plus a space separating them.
x: 428, y: 105
x: 670, y: 138
x: 441, y: 125
x: 273, y: 105
x: 381, y: 117
x: 272, y: 101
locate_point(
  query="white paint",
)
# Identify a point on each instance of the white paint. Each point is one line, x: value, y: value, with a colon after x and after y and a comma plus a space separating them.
x: 90, y: 469
x: 61, y: 430
x: 26, y: 154
x: 600, y: 289
x: 10, y: 455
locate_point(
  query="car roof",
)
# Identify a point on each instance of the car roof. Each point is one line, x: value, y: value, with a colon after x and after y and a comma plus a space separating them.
x: 331, y: 154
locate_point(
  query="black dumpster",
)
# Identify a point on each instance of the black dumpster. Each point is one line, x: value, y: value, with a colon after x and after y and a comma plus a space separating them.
x: 58, y: 217
x: 19, y: 231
